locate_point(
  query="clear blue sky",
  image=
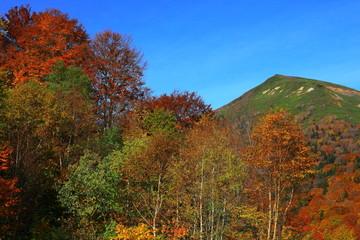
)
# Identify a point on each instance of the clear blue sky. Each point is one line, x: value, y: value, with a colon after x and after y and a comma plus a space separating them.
x: 223, y: 48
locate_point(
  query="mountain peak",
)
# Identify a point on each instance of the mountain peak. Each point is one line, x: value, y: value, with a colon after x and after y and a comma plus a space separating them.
x: 308, y: 99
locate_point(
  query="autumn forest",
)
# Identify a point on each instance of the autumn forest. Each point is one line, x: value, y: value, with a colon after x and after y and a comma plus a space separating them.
x: 88, y: 152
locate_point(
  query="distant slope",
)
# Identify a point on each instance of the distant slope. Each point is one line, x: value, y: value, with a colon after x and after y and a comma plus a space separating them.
x: 310, y: 100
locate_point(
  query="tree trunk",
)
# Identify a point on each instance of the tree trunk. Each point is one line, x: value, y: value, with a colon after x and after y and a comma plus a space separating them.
x: 269, y: 216
x: 157, y: 207
x: 276, y: 209
x: 212, y: 208
x: 201, y: 201
x: 223, y: 219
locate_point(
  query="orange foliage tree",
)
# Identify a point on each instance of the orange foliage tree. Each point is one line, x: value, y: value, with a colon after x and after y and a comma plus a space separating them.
x: 278, y: 158
x: 31, y: 43
x: 8, y: 195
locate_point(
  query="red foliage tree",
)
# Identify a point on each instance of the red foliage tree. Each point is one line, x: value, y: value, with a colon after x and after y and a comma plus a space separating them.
x: 8, y: 195
x: 118, y: 75
x: 188, y: 107
x: 31, y: 43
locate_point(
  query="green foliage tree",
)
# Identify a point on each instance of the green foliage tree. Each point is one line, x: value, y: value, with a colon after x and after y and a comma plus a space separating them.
x: 91, y: 194
x: 107, y: 141
x: 69, y: 80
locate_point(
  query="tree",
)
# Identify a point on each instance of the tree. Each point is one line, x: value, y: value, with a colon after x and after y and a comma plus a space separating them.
x: 118, y: 76
x: 44, y: 122
x: 133, y: 233
x: 150, y: 148
x: 48, y: 126
x: 73, y: 122
x: 208, y: 180
x: 8, y: 195
x: 278, y: 158
x: 91, y: 194
x: 26, y: 108
x: 3, y: 24
x: 28, y: 119
x: 31, y: 43
x: 188, y: 107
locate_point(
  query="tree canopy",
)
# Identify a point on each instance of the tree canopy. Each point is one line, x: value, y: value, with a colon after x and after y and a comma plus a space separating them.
x: 87, y: 152
x: 32, y: 42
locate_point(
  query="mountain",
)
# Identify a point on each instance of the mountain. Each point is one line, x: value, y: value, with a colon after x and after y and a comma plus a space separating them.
x: 309, y: 100
x: 329, y: 202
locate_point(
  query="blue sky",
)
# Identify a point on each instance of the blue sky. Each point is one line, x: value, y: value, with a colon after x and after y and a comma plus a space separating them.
x: 223, y: 48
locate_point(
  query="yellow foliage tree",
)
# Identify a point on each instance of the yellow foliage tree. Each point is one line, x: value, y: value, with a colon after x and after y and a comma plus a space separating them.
x: 208, y: 179
x: 141, y: 232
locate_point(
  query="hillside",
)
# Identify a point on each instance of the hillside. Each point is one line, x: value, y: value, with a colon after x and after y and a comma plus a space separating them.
x: 308, y: 99
x: 331, y: 117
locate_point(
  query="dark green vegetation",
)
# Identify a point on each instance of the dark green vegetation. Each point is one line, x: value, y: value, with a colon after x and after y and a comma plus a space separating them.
x: 309, y: 100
